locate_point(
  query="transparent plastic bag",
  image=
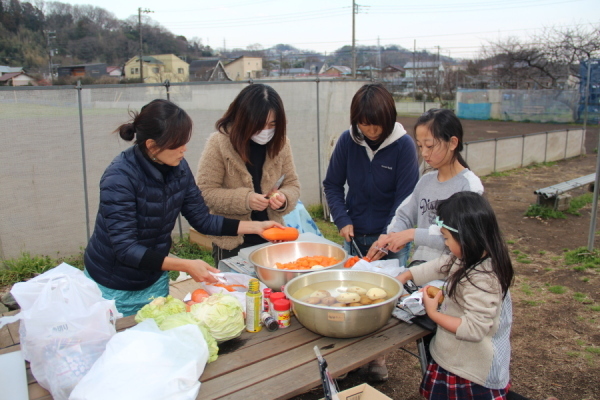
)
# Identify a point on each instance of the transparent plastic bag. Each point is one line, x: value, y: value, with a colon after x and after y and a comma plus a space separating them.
x: 64, y: 326
x: 144, y: 362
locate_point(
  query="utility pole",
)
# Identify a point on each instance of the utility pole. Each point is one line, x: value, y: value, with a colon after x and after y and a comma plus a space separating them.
x: 353, y: 40
x: 140, y: 11
x: 51, y: 35
x: 415, y: 70
x: 439, y: 90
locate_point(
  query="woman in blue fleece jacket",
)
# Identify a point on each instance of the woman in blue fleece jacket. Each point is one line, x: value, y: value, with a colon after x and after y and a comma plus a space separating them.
x: 377, y: 161
x: 142, y: 192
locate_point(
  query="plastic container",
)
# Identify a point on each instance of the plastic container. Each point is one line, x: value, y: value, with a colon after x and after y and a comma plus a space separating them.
x: 274, y: 297
x: 269, y: 322
x: 267, y: 299
x: 281, y: 309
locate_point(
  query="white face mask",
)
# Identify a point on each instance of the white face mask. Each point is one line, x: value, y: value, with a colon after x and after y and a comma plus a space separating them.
x: 264, y: 137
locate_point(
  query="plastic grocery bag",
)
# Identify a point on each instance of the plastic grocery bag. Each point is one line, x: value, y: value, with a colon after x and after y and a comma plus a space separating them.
x: 144, y: 362
x: 65, y: 325
x: 232, y: 278
x: 388, y: 267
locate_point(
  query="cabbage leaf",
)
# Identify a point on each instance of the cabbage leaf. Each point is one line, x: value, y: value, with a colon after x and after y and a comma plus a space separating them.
x: 222, y: 314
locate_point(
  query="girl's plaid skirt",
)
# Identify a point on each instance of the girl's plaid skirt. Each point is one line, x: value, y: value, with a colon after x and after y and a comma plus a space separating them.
x: 439, y: 384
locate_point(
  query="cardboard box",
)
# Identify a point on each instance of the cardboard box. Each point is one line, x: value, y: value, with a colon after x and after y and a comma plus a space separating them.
x: 362, y: 392
x: 200, y: 239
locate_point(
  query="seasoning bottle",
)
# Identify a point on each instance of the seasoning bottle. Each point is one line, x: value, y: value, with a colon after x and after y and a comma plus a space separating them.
x: 254, y: 306
x: 282, y: 310
x: 274, y: 297
x: 269, y: 322
x: 266, y: 299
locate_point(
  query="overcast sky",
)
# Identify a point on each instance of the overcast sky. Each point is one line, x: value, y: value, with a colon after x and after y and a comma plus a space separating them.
x: 458, y: 27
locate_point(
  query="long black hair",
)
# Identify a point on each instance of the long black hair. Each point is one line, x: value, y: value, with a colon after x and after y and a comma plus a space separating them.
x: 479, y: 237
x: 443, y: 124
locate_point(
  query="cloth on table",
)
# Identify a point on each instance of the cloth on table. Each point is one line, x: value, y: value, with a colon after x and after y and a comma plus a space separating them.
x: 300, y: 219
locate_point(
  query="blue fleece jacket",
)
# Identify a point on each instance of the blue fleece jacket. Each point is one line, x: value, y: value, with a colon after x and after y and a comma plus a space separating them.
x: 377, y: 181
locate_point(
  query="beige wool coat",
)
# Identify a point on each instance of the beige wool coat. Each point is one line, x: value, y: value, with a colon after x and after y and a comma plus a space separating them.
x: 226, y: 184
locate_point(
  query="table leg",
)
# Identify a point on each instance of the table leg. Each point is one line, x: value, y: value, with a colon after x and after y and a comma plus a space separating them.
x: 422, y: 355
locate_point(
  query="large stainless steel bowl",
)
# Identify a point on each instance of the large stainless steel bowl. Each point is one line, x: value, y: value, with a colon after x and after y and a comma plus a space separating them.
x: 343, y: 322
x: 264, y: 259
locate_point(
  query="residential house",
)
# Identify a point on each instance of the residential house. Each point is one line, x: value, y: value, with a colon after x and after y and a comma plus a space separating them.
x: 392, y: 72
x: 338, y: 71
x: 245, y: 67
x: 17, y: 79
x: 368, y: 72
x: 316, y: 67
x: 114, y: 71
x: 209, y: 70
x: 423, y: 72
x: 93, y: 70
x: 158, y: 68
x: 4, y: 69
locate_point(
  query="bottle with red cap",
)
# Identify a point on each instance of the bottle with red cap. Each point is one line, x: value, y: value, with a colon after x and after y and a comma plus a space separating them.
x: 267, y: 299
x: 281, y: 309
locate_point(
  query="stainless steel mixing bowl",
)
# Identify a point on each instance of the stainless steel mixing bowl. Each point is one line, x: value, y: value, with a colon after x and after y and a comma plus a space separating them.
x: 344, y: 322
x: 265, y: 258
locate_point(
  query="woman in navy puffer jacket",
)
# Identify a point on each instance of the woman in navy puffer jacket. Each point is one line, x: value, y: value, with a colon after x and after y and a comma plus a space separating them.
x: 142, y: 192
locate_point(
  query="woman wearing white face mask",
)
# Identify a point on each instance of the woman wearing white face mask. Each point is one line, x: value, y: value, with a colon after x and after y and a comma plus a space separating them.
x: 241, y: 163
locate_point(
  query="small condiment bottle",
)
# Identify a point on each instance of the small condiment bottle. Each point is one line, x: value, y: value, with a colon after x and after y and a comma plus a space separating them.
x: 266, y: 299
x: 274, y: 297
x: 254, y: 306
x: 269, y: 322
x: 281, y: 308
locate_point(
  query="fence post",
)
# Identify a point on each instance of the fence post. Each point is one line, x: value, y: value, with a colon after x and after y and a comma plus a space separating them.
x: 495, y: 152
x: 319, y: 144
x: 566, y: 144
x: 167, y: 85
x: 83, y: 164
x: 546, y: 148
x: 523, y: 151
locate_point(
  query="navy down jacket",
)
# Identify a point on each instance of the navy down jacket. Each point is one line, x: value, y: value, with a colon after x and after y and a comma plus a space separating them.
x: 138, y: 210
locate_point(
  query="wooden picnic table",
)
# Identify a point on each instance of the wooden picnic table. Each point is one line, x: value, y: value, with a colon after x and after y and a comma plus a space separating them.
x: 267, y: 365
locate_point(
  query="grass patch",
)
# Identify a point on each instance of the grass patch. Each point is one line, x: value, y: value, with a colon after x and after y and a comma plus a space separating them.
x: 327, y: 228
x: 536, y: 210
x: 183, y: 248
x: 593, y: 350
x: 542, y: 252
x: 581, y: 255
x: 531, y: 302
x: 573, y: 353
x: 516, y: 251
x: 586, y: 280
x: 582, y: 298
x: 510, y: 242
x: 525, y: 288
x: 542, y: 164
x: 27, y: 266
x: 557, y: 289
x: 595, y: 308
x: 579, y: 202
x: 498, y: 174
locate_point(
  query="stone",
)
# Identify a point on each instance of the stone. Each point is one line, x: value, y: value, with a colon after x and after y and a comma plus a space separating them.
x: 9, y: 301
x: 3, y: 308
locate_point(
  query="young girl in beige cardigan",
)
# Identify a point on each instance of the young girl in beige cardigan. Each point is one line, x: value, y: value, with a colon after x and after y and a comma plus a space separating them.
x: 470, y: 352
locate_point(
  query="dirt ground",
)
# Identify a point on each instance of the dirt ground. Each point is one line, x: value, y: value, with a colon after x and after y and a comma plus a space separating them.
x: 555, y: 337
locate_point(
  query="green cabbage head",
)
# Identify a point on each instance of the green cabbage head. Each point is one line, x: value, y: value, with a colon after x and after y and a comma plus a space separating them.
x: 222, y: 314
x: 160, y: 308
x: 185, y: 318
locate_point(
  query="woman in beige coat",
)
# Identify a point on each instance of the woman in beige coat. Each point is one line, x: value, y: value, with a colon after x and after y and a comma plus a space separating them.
x: 242, y: 162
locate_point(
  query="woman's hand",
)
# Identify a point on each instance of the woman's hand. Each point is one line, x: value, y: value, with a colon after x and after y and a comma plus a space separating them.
x: 199, y: 271
x: 374, y: 254
x: 347, y: 232
x: 397, y: 240
x: 277, y: 200
x: 256, y: 227
x: 258, y: 202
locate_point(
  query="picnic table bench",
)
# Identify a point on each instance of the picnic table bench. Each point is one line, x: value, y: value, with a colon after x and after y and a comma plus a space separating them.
x: 551, y: 195
x: 267, y: 365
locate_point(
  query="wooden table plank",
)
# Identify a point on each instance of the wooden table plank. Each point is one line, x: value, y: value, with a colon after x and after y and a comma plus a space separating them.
x: 251, y: 355
x: 306, y: 376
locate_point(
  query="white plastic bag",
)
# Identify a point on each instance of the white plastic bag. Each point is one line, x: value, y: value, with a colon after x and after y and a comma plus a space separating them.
x: 232, y: 278
x: 388, y: 267
x: 65, y: 325
x: 144, y: 362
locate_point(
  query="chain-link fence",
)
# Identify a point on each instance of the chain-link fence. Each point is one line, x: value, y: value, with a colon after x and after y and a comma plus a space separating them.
x: 58, y: 142
x: 518, y: 105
